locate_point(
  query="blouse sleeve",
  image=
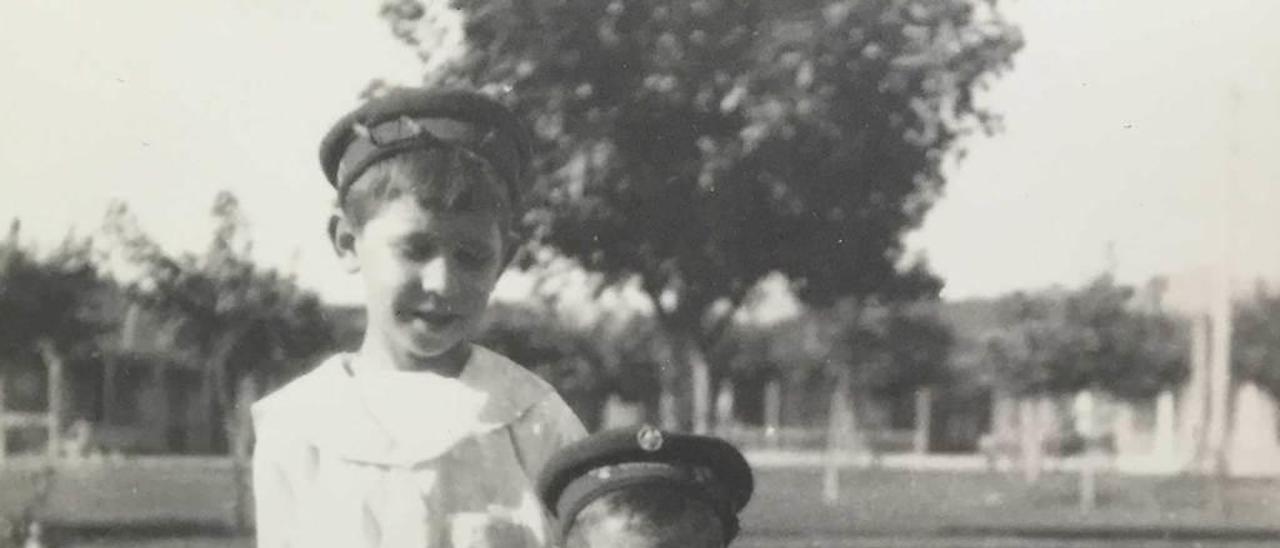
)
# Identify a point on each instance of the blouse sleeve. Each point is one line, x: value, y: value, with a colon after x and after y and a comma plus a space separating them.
x: 273, y: 494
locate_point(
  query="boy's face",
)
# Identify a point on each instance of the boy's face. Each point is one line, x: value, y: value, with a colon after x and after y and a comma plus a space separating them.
x: 620, y: 532
x: 427, y: 274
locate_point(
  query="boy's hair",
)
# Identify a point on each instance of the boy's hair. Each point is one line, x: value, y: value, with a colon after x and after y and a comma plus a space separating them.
x: 452, y: 149
x: 664, y: 514
x: 443, y: 178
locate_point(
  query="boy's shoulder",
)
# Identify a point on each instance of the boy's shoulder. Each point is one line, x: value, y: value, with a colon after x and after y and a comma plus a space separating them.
x: 305, y: 394
x: 510, y: 382
x: 530, y: 405
x: 491, y: 363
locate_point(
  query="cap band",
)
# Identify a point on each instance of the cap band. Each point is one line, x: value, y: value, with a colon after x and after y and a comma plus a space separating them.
x: 370, y: 144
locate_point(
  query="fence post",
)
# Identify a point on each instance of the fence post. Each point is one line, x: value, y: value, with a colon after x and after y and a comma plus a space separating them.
x: 55, y: 396
x: 924, y: 420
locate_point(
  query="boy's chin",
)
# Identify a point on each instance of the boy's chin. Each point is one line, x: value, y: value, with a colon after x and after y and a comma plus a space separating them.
x: 437, y: 349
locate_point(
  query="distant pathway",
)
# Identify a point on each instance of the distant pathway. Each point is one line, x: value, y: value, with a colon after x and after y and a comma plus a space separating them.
x: 929, y: 542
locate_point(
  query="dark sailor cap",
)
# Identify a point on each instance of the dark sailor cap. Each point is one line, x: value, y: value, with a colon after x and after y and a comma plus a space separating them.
x: 406, y: 118
x: 706, y: 468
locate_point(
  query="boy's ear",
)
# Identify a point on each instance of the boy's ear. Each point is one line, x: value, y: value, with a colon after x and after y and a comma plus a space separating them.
x: 342, y: 234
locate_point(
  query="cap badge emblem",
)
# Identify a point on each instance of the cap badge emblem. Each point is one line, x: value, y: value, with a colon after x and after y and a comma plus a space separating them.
x: 649, y: 438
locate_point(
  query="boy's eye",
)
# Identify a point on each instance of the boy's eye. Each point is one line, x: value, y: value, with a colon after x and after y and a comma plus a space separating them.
x: 473, y: 257
x: 417, y: 251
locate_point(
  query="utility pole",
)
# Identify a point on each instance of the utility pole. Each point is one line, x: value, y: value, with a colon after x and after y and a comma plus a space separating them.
x: 1220, y: 310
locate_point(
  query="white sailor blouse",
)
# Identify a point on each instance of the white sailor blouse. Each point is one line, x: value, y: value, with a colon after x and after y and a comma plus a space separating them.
x: 390, y: 459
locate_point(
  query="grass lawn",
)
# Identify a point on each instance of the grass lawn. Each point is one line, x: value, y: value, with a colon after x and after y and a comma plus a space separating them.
x: 872, y: 502
x: 157, y: 502
x: 191, y: 493
x: 756, y: 542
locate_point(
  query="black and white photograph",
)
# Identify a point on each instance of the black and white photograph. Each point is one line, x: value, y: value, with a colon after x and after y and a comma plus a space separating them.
x: 640, y: 274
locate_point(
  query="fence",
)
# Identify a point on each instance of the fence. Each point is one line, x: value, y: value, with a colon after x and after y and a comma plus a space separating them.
x: 801, y: 439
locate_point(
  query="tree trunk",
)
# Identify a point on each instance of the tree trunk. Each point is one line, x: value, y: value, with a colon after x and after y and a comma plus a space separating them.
x: 4, y: 420
x: 207, y: 421
x: 772, y: 411
x: 1164, y: 446
x: 1031, y: 436
x: 841, y: 425
x: 725, y: 401
x: 1255, y: 436
x: 687, y: 384
x: 56, y: 391
x: 240, y: 422
x: 668, y: 405
x: 240, y: 433
x: 1222, y: 466
x: 673, y: 401
x: 1087, y: 415
x: 128, y: 342
x: 701, y: 392
x: 1194, y: 412
x: 108, y: 389
x: 222, y: 421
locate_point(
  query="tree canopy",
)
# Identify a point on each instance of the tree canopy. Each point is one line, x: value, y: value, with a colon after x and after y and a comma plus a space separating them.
x: 234, y: 317
x: 222, y: 296
x: 1095, y: 337
x: 57, y: 298
x: 1255, y: 341
x: 889, y: 349
x: 701, y: 145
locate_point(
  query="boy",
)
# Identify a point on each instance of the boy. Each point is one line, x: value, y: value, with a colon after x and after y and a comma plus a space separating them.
x: 639, y: 487
x: 419, y: 438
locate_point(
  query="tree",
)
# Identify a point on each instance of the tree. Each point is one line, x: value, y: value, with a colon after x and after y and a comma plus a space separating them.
x: 1023, y: 353
x: 700, y: 146
x: 51, y: 308
x: 247, y: 326
x: 238, y: 319
x: 1256, y: 341
x: 1119, y: 348
x: 917, y: 345
x: 633, y: 352
x: 1093, y: 338
x: 885, y: 350
x: 51, y: 298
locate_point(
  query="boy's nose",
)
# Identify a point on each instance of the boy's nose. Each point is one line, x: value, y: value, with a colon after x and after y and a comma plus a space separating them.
x: 435, y: 275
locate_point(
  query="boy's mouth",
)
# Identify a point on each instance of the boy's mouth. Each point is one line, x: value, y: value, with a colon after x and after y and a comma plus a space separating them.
x: 435, y: 318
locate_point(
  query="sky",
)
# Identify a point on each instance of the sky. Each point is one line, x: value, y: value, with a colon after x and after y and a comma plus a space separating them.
x: 1121, y: 133
x: 1143, y: 127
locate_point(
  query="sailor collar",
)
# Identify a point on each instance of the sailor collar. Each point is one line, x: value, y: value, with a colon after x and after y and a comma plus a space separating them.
x: 329, y: 408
